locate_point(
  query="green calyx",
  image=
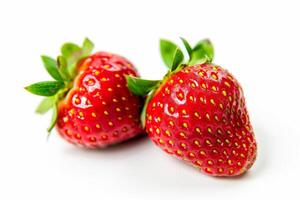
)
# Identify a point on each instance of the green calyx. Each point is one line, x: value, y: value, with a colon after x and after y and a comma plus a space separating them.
x: 173, y: 57
x: 63, y: 70
x: 140, y: 87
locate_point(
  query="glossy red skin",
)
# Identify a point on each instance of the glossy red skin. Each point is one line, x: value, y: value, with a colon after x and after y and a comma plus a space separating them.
x: 100, y: 110
x: 187, y: 126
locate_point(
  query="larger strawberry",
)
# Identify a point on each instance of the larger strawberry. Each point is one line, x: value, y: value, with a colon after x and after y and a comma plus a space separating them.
x: 91, y: 103
x: 198, y: 113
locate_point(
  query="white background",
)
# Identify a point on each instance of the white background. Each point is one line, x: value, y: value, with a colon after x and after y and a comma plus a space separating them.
x: 258, y: 41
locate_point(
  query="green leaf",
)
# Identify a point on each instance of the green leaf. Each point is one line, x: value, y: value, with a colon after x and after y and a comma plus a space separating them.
x: 63, y: 67
x: 53, y: 120
x: 203, y: 50
x: 70, y: 52
x: 187, y: 46
x: 140, y: 86
x: 45, y: 88
x: 74, y: 53
x: 168, y: 50
x: 143, y: 113
x: 72, y: 70
x: 177, y: 59
x: 87, y: 47
x: 51, y: 67
x: 45, y: 105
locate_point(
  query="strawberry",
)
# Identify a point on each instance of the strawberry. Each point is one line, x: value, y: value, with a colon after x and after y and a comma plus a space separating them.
x: 197, y: 112
x: 92, y: 106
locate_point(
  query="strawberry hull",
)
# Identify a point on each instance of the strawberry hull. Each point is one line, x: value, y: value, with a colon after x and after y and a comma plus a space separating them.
x: 199, y: 115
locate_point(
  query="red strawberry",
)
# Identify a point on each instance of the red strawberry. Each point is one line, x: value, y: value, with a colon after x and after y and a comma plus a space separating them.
x: 198, y: 113
x: 91, y: 102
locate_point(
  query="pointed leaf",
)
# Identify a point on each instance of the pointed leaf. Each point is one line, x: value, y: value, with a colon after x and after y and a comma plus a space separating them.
x: 203, y: 50
x: 45, y: 88
x: 51, y: 67
x: 70, y: 52
x: 73, y: 53
x: 45, y: 105
x: 63, y: 67
x: 143, y: 113
x: 187, y: 46
x: 140, y: 86
x: 177, y: 59
x: 53, y: 120
x: 87, y: 47
x: 167, y: 50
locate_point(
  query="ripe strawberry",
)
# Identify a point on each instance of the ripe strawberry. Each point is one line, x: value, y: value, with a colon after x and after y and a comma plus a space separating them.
x: 198, y: 112
x: 92, y: 106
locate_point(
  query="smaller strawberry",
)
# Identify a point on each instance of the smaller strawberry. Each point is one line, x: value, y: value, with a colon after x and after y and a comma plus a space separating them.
x: 197, y: 112
x: 92, y: 106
